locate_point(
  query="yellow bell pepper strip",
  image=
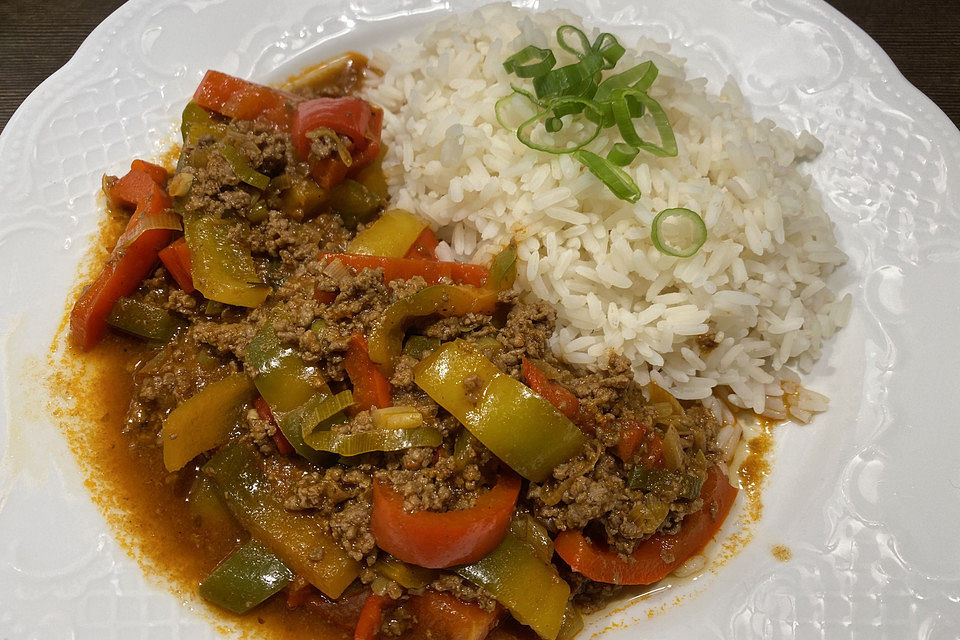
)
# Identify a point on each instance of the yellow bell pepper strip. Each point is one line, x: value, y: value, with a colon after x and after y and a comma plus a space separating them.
x: 246, y: 578
x: 299, y: 539
x: 386, y: 339
x: 503, y: 269
x: 203, y: 421
x: 355, y: 444
x: 142, y: 319
x: 516, y: 424
x: 196, y: 122
x: 242, y: 169
x: 302, y: 198
x: 390, y: 236
x: 222, y: 269
x: 282, y: 377
x: 529, y: 588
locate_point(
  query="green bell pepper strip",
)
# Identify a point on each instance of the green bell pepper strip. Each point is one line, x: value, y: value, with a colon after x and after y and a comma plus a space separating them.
x: 299, y: 539
x: 203, y: 421
x: 531, y: 589
x: 529, y: 530
x: 197, y: 122
x: 206, y: 503
x: 516, y: 424
x: 142, y: 319
x: 282, y: 377
x: 647, y: 479
x: 353, y: 202
x: 409, y: 576
x: 246, y: 578
x: 290, y: 387
x: 417, y: 346
x: 354, y: 444
x: 386, y: 339
x: 503, y: 269
x: 223, y: 270
x: 243, y: 170
x: 390, y: 236
x: 572, y: 623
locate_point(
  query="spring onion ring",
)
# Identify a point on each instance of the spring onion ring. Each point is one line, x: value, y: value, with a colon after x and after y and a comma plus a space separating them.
x: 616, y: 179
x: 526, y: 129
x: 680, y: 222
x: 530, y: 62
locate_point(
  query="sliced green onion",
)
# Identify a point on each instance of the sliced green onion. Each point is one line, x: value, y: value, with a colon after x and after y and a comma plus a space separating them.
x: 530, y: 62
x: 622, y: 154
x: 624, y: 121
x: 525, y: 129
x: 639, y: 77
x: 563, y: 81
x: 611, y: 175
x: 553, y: 124
x: 501, y: 103
x: 585, y: 47
x: 354, y: 444
x: 244, y: 172
x: 609, y: 49
x: 684, y: 234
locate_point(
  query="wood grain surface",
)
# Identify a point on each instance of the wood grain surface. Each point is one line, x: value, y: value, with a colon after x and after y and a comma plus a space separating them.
x: 921, y: 36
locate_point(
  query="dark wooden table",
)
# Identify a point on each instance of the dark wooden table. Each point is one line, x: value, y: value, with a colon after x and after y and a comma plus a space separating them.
x: 921, y: 36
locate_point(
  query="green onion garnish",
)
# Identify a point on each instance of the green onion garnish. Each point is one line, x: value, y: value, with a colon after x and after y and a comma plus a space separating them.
x: 530, y: 62
x: 678, y: 232
x: 613, y: 176
x: 553, y: 124
x: 579, y: 90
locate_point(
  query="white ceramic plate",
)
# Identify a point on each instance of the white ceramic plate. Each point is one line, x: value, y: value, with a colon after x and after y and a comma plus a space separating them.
x: 867, y: 497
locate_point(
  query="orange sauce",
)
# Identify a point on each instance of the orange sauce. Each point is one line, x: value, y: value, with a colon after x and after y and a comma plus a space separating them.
x: 143, y: 504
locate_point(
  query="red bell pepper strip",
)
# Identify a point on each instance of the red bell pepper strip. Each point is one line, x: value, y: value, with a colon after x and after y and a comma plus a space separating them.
x: 633, y: 433
x: 243, y: 100
x: 176, y: 258
x: 283, y: 445
x: 155, y: 171
x: 406, y: 268
x: 351, y: 117
x: 371, y: 616
x: 439, y: 540
x: 560, y: 397
x: 442, y: 616
x: 370, y: 387
x: 657, y: 556
x: 424, y: 247
x: 129, y: 190
x: 130, y: 262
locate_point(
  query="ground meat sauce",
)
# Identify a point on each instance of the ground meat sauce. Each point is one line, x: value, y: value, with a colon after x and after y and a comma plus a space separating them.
x: 590, y: 492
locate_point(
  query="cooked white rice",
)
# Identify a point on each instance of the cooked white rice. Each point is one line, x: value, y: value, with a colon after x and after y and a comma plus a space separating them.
x: 758, y: 283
